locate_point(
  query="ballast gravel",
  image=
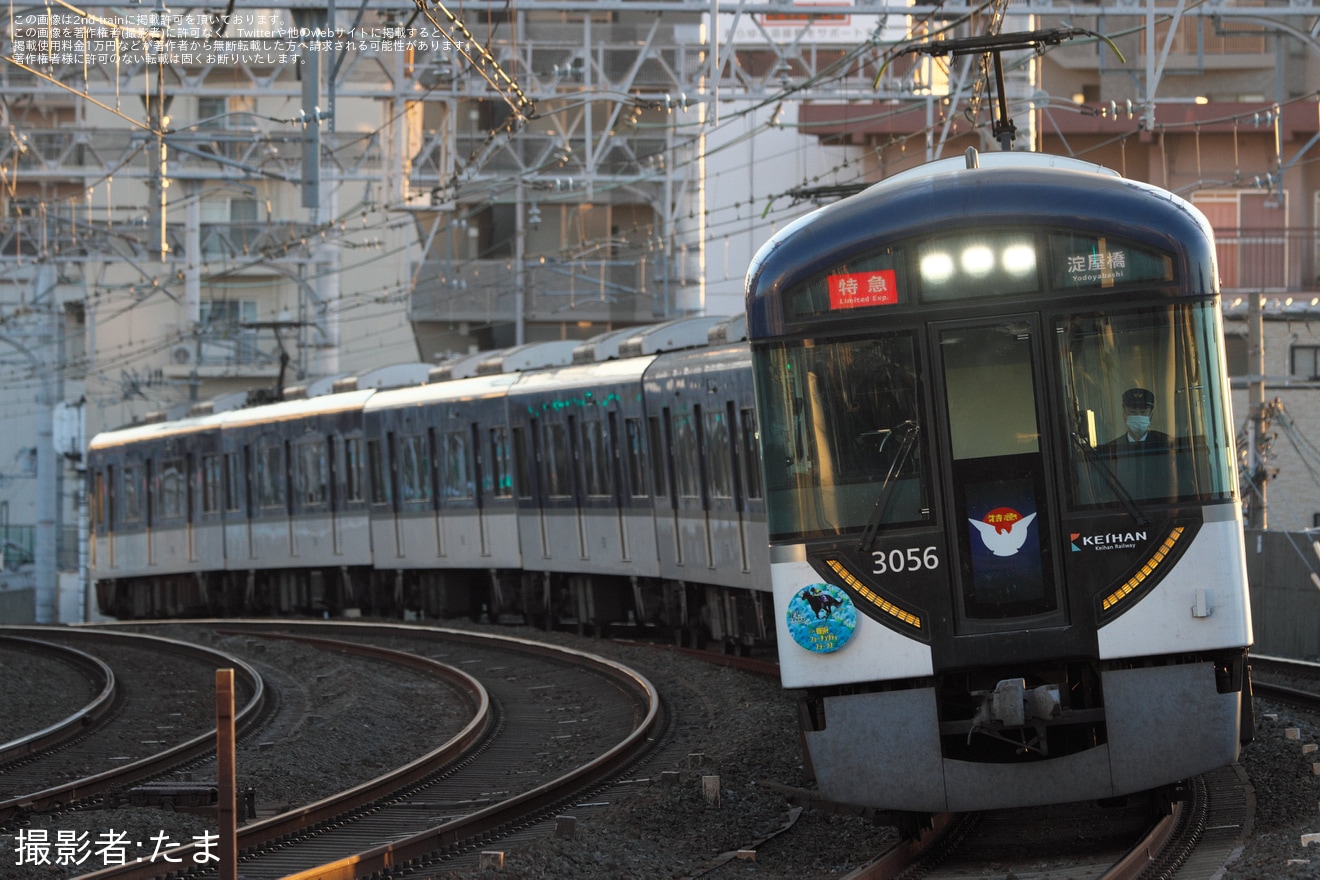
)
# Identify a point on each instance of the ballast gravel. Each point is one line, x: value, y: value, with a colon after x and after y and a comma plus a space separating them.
x: 731, y: 724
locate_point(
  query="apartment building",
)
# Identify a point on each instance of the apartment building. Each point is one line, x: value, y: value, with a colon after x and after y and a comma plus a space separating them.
x: 201, y: 202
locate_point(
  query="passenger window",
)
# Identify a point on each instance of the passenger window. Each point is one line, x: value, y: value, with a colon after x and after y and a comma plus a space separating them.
x: 558, y: 470
x: 233, y: 482
x: 380, y: 486
x: 172, y: 490
x: 595, y: 458
x: 457, y: 481
x: 719, y: 466
x: 271, y: 475
x: 523, y: 460
x: 312, y: 472
x: 636, y: 458
x: 500, y: 474
x: 686, y: 459
x: 132, y: 493
x: 353, y: 468
x: 414, y: 469
x: 212, y: 483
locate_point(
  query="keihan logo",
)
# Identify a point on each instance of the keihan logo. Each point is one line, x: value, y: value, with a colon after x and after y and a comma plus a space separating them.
x: 1003, y: 530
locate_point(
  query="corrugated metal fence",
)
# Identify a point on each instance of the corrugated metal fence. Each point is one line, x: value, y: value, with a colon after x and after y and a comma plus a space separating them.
x: 1285, y: 602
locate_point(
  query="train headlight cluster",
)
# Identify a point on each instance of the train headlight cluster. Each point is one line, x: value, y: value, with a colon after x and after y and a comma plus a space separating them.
x: 952, y: 268
x: 936, y: 268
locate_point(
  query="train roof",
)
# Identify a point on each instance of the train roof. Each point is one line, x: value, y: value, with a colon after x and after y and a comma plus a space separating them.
x: 327, y: 404
x: 700, y: 360
x: 1005, y: 190
x: 582, y: 375
x: 471, y: 388
x: 686, y: 332
x: 155, y: 431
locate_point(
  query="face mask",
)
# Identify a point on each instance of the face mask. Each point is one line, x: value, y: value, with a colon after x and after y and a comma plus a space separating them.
x: 1138, y: 425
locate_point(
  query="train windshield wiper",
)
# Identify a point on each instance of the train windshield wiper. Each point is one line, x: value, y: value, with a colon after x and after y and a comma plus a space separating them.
x: 909, y: 430
x: 1124, y: 497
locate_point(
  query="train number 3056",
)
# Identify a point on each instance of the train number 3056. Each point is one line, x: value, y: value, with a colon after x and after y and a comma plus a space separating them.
x: 911, y: 559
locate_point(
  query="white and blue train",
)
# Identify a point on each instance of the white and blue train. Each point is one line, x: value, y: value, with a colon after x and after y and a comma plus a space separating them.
x: 1005, y: 535
x: 971, y: 471
x: 624, y: 492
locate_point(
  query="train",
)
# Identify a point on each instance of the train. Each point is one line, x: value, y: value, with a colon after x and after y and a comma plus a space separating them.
x: 965, y: 465
x: 554, y: 483
x: 1006, y: 542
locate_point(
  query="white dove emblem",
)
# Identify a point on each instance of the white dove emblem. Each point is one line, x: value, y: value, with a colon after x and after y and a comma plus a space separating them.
x: 1004, y: 540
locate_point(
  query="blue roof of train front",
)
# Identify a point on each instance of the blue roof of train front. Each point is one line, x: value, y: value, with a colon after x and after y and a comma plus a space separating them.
x: 1007, y: 189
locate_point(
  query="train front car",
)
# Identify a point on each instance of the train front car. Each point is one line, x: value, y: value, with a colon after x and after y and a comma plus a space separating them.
x: 1006, y: 548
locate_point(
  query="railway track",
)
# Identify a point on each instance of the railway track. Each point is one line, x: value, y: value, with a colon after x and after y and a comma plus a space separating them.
x: 566, y: 719
x: 1082, y: 841
x: 78, y: 723
x: 1291, y: 682
x: 132, y: 744
x: 989, y: 845
x: 1195, y: 840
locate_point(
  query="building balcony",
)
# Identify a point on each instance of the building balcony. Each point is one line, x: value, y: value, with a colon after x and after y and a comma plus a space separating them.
x: 598, y: 290
x: 1273, y: 260
x: 226, y: 351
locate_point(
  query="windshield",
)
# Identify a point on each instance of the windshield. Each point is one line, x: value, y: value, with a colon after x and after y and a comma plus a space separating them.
x: 837, y: 416
x: 1144, y: 392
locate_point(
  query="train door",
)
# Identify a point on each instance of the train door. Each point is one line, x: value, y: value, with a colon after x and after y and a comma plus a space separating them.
x: 1002, y: 522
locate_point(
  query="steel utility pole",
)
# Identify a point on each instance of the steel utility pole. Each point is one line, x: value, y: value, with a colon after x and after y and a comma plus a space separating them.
x: 1257, y: 516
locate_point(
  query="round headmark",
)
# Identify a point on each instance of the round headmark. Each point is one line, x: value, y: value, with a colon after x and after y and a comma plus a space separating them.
x: 821, y: 618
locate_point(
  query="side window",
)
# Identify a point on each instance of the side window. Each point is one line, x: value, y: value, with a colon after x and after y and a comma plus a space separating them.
x: 686, y: 457
x: 212, y: 482
x: 595, y: 458
x: 132, y: 493
x: 500, y: 474
x: 233, y: 481
x: 414, y: 468
x: 524, y: 460
x: 635, y: 455
x: 558, y: 471
x: 719, y: 466
x: 172, y: 490
x: 750, y: 457
x: 312, y: 474
x: 380, y: 484
x: 271, y: 474
x: 353, y: 469
x: 458, y: 475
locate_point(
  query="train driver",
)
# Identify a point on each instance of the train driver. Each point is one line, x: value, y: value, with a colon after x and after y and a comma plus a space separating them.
x: 1142, y: 458
x: 1138, y: 404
